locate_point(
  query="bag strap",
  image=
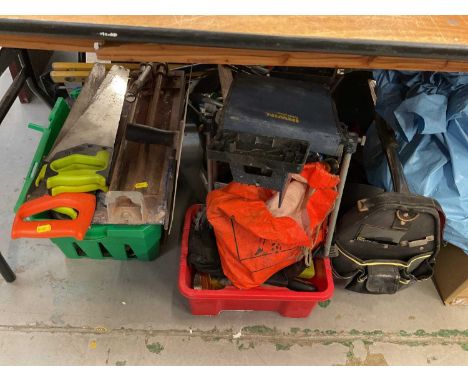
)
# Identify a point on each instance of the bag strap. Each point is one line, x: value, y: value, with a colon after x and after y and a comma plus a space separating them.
x: 389, y: 147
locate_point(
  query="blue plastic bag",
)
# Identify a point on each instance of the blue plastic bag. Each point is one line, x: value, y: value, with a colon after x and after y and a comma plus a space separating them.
x: 429, y: 113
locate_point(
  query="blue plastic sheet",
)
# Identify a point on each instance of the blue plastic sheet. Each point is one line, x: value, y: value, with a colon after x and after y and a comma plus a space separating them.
x: 429, y: 113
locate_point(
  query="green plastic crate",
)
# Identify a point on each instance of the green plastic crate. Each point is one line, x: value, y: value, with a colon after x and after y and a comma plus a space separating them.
x: 119, y: 242
x: 57, y: 118
x: 102, y: 241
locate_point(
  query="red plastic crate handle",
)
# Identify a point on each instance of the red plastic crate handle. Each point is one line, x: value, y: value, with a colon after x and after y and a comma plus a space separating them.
x: 84, y: 203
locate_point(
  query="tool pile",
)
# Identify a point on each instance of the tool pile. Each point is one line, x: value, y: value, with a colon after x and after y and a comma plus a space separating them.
x: 271, y: 211
x: 276, y: 156
x: 77, y: 163
x: 110, y: 159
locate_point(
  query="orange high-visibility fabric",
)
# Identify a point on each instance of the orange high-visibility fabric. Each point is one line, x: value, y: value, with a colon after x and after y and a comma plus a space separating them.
x: 252, y: 243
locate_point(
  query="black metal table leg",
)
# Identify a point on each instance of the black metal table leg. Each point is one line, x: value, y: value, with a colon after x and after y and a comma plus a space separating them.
x: 25, y: 75
x: 6, y: 271
x: 7, y: 56
x: 11, y: 94
x: 31, y: 80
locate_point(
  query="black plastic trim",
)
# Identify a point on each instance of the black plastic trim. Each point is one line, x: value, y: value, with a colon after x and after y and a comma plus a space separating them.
x: 122, y: 33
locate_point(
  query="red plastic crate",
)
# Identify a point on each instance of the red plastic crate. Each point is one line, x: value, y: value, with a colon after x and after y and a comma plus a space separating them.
x: 282, y: 300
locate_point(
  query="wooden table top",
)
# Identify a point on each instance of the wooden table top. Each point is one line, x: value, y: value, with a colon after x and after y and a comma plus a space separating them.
x: 451, y: 30
x: 400, y: 42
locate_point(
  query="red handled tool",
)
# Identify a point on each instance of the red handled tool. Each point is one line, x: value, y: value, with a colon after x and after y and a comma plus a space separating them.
x: 84, y: 203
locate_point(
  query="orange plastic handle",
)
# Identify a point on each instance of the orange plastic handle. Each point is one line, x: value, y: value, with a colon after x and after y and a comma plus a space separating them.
x: 84, y: 203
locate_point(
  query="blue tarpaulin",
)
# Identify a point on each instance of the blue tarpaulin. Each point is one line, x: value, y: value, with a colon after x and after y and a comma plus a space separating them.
x: 429, y: 113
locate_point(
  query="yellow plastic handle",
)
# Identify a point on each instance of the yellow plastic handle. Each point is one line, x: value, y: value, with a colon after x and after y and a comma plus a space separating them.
x: 76, y: 189
x: 70, y: 212
x: 73, y: 162
x: 76, y: 178
x: 41, y: 175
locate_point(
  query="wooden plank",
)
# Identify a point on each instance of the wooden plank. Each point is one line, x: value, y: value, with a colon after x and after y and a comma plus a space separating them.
x: 209, y: 55
x: 87, y: 66
x: 79, y: 71
x: 46, y: 43
x: 60, y: 76
x: 411, y: 29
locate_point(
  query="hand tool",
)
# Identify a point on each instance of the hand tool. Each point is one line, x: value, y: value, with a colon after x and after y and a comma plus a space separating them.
x: 99, y: 106
x: 94, y: 118
x: 73, y: 165
x: 79, y: 161
x: 75, y: 178
x: 87, y: 92
x: 80, y: 169
x: 79, y: 172
x: 67, y: 211
x: 85, y: 204
x: 137, y: 85
x: 143, y: 172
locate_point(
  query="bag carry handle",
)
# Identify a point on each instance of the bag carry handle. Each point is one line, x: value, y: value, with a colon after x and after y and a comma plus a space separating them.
x: 389, y: 147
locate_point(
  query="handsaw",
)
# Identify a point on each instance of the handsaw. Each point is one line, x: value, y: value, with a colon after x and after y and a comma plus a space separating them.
x: 53, y: 228
x: 89, y: 89
x: 94, y: 118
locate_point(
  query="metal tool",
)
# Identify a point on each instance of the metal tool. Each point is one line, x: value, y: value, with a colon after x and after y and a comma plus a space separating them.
x: 93, y: 119
x: 88, y: 91
x: 137, y: 85
x: 143, y: 173
x: 100, y: 112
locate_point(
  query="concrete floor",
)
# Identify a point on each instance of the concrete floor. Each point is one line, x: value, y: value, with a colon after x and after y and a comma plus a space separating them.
x: 85, y: 312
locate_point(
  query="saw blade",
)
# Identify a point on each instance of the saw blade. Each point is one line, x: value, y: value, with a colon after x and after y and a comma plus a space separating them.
x: 99, y: 121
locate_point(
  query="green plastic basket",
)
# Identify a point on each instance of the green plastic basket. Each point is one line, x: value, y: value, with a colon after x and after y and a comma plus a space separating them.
x: 57, y: 118
x: 102, y: 241
x: 119, y: 242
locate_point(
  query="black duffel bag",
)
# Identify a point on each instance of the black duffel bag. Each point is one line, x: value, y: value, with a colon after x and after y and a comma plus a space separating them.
x: 387, y: 240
